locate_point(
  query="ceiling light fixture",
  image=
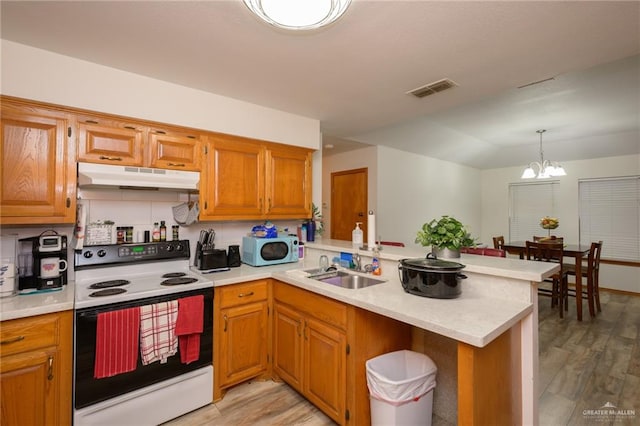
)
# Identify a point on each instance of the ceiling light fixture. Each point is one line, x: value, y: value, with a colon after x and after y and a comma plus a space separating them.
x: 298, y: 14
x: 546, y: 168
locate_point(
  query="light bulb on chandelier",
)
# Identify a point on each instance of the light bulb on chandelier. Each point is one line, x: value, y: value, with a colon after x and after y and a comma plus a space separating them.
x: 545, y: 168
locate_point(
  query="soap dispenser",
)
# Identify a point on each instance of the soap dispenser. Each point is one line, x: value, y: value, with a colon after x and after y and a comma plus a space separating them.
x: 356, y: 236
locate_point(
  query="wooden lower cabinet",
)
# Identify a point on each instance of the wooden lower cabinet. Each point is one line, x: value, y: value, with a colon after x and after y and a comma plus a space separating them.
x: 320, y: 347
x: 36, y: 370
x: 242, y: 329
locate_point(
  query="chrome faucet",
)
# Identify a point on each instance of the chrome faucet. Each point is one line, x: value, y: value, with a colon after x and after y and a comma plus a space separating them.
x: 357, y: 261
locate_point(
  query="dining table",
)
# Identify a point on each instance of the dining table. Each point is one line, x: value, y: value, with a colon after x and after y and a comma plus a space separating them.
x: 576, y: 251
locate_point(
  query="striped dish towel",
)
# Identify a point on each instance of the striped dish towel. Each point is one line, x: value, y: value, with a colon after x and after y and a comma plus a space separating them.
x: 158, y: 339
x: 116, y: 342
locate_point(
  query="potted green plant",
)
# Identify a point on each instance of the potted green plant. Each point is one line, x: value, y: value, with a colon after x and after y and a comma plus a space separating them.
x: 446, y: 236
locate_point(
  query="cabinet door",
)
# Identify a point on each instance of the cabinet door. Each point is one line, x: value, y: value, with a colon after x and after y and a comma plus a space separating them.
x: 325, y: 358
x: 288, y: 182
x: 38, y: 168
x: 174, y: 150
x: 107, y: 141
x: 29, y: 388
x: 233, y: 182
x: 287, y: 345
x: 243, y: 342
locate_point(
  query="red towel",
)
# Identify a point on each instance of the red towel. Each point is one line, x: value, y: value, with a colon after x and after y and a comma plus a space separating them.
x: 117, y: 335
x: 189, y: 325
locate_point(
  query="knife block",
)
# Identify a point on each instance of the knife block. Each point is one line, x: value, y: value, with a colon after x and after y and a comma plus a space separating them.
x: 211, y: 259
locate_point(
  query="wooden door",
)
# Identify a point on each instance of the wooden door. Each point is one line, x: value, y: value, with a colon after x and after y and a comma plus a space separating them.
x: 107, y: 141
x: 348, y: 203
x: 288, y: 182
x: 29, y: 391
x: 325, y: 379
x: 243, y: 342
x: 287, y: 345
x: 232, y: 183
x: 38, y: 168
x: 174, y: 150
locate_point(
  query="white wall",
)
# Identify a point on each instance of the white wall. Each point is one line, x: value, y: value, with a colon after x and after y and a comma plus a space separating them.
x: 357, y: 159
x: 495, y: 207
x: 49, y: 77
x: 407, y: 190
x: 414, y: 189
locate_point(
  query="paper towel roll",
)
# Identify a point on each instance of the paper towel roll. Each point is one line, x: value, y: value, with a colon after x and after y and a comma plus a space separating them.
x: 371, y: 230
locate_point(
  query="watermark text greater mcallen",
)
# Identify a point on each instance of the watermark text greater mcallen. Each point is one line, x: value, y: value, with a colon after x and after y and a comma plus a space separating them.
x: 609, y: 412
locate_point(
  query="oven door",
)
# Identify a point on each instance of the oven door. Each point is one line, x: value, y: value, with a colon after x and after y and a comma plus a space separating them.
x: 88, y: 391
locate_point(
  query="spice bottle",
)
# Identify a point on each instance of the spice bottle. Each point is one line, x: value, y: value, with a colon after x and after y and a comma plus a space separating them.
x: 175, y: 232
x: 163, y: 231
x: 156, y: 232
x: 120, y: 235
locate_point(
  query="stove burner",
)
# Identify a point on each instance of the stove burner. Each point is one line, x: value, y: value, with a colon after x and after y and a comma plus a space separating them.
x: 174, y: 275
x: 107, y: 292
x: 108, y: 284
x: 179, y: 281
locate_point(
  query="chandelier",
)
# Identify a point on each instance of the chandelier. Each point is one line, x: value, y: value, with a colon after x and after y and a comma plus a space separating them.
x: 298, y: 14
x: 545, y: 168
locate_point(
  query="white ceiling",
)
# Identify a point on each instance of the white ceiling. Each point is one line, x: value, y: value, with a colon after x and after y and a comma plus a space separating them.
x: 353, y: 76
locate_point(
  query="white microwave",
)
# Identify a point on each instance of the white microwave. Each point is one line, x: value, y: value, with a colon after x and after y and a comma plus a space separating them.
x: 269, y: 251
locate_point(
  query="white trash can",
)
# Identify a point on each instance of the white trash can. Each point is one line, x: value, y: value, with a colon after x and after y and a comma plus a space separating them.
x: 401, y: 388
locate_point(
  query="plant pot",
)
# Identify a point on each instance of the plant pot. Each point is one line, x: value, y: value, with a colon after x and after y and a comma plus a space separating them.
x: 445, y: 253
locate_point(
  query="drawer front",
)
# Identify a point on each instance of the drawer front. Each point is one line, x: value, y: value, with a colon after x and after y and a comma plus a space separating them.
x: 239, y: 294
x: 26, y: 334
x: 322, y: 308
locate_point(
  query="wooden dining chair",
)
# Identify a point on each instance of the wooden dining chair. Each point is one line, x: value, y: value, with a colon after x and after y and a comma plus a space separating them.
x: 498, y: 242
x: 551, y: 252
x: 592, y: 274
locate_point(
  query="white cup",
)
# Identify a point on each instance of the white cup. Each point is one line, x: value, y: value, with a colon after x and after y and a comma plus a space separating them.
x: 50, y: 267
x: 7, y: 286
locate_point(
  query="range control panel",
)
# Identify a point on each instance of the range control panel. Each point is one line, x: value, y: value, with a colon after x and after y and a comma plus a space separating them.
x: 113, y: 254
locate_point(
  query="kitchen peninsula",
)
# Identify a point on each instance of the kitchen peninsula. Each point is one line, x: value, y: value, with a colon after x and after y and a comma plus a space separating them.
x: 484, y: 342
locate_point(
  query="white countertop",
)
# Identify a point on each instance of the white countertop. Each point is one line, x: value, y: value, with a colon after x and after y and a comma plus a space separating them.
x: 474, y: 317
x: 28, y: 305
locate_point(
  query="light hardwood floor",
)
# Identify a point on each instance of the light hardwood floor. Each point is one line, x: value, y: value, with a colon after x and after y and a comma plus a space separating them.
x: 583, y: 366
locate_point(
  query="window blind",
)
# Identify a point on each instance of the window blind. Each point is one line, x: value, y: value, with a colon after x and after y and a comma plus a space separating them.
x: 610, y: 211
x: 530, y: 202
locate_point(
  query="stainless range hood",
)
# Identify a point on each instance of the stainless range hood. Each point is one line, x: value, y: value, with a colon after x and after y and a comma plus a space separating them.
x: 128, y: 177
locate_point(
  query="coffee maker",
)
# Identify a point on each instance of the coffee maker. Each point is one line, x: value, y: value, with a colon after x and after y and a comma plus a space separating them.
x: 42, y: 262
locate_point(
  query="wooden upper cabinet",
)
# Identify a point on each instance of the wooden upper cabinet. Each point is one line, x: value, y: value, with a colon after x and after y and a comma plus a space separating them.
x: 232, y: 182
x: 174, y: 150
x: 108, y: 141
x: 249, y: 179
x: 112, y: 140
x: 288, y: 182
x: 38, y: 166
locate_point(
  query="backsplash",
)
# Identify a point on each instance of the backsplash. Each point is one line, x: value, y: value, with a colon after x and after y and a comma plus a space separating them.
x: 139, y: 209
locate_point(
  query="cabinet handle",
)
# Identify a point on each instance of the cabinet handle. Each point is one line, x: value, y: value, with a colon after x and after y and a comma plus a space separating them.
x: 260, y: 204
x: 306, y: 337
x: 176, y: 164
x: 269, y: 209
x: 68, y: 202
x: 246, y: 294
x: 299, y: 329
x: 12, y: 340
x: 105, y: 157
x: 226, y: 320
x: 50, y: 372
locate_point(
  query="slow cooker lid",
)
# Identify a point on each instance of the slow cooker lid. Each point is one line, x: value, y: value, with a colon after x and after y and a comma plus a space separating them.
x: 432, y: 264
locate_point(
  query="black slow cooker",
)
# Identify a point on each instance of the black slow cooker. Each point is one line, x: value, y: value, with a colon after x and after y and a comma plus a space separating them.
x: 431, y: 277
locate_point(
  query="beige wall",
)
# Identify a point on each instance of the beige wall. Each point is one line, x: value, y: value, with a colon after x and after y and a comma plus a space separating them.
x: 49, y: 77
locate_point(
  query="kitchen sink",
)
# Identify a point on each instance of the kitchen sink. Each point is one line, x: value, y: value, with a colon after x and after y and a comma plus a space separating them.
x: 344, y: 279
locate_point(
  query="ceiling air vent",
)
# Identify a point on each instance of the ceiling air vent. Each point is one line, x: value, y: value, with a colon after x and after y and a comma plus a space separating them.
x: 432, y: 88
